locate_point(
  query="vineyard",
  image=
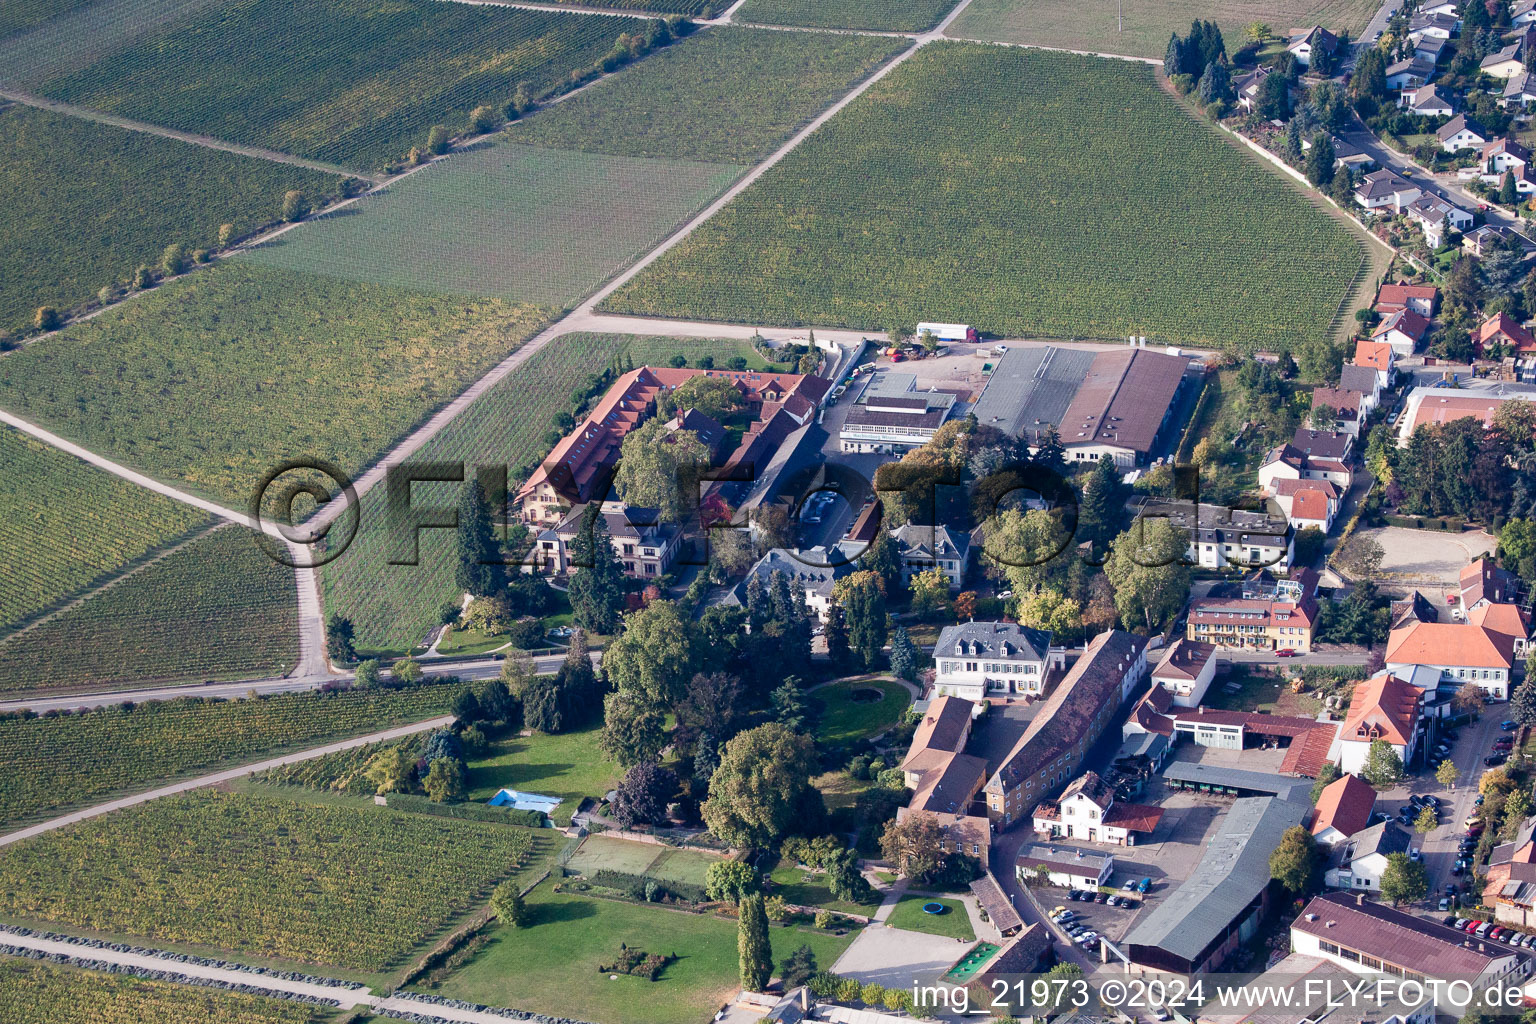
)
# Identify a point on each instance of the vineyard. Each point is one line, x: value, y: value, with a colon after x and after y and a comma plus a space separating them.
x: 725, y: 94
x: 81, y: 758
x: 1052, y: 195
x: 74, y: 39
x: 354, y: 83
x: 392, y: 606
x: 529, y: 225
x: 343, y: 771
x: 352, y: 887
x: 1143, y: 26
x: 20, y: 15
x: 692, y: 8
x: 114, y: 201
x: 36, y: 993
x: 65, y: 525
x: 217, y: 378
x: 882, y: 15
x: 216, y: 608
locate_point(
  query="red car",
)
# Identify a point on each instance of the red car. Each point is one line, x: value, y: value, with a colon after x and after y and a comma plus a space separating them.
x: 1472, y: 926
x: 1286, y: 654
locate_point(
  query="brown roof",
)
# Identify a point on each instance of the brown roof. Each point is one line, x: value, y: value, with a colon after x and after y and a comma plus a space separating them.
x: 1424, y: 947
x: 1345, y: 804
x: 1482, y: 578
x: 1345, y: 402
x: 1184, y: 659
x: 1450, y: 643
x: 1329, y: 445
x: 1440, y: 408
x: 1415, y: 325
x: 1252, y: 611
x: 1123, y: 399
x: 1310, y: 504
x: 1091, y: 786
x: 1307, y: 755
x: 949, y: 788
x: 1397, y: 296
x: 1022, y: 954
x: 1251, y: 721
x: 1383, y: 707
x: 1133, y: 817
x: 943, y: 727
x: 992, y: 899
x: 1286, y: 486
x: 1508, y: 619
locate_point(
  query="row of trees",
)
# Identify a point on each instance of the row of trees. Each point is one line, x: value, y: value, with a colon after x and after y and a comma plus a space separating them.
x: 1461, y: 468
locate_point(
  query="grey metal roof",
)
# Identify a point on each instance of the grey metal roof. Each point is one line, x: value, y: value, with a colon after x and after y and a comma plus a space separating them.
x: 1384, y: 838
x: 1235, y: 778
x: 1031, y: 388
x: 914, y: 540
x: 1358, y: 378
x: 986, y: 639
x: 1231, y: 873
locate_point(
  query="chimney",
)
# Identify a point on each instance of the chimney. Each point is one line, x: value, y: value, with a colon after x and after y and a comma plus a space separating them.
x: 1359, y: 899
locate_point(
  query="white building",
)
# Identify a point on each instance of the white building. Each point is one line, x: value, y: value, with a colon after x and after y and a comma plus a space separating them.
x: 1358, y: 862
x: 1226, y: 538
x: 977, y: 660
x: 1461, y: 132
x: 1185, y: 670
x: 1065, y: 867
x: 1088, y: 812
x: 1386, y: 707
x: 922, y: 548
x: 893, y: 416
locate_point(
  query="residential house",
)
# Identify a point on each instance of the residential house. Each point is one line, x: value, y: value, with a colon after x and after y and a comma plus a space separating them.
x: 1436, y: 26
x: 1509, y: 885
x: 1433, y: 215
x: 1305, y: 43
x: 1348, y: 407
x: 1483, y: 582
x: 646, y: 547
x: 1522, y: 13
x: 977, y: 660
x: 1226, y: 898
x: 1221, y: 537
x: 1358, y: 862
x: 1386, y: 190
x: 1343, y: 808
x: 1247, y: 86
x: 1430, y: 48
x: 816, y: 570
x: 1346, y: 154
x: 1519, y: 91
x: 1504, y: 330
x: 1379, y: 357
x: 1482, y: 240
x: 1245, y: 623
x: 1501, y: 155
x: 1504, y: 63
x: 1461, y: 132
x: 1088, y: 811
x: 1370, y: 938
x: 1062, y: 866
x: 1385, y: 707
x: 1449, y: 8
x: 1413, y: 608
x: 921, y: 548
x: 1457, y: 653
x: 1311, y: 455
x: 1408, y: 77
x: 1185, y: 670
x: 1308, y: 503
x: 1404, y: 330
x: 1067, y: 725
x: 1364, y: 381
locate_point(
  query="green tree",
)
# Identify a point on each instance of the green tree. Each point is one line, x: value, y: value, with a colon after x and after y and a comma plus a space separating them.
x: 656, y: 654
x: 445, y: 781
x: 1294, y: 862
x: 1403, y: 880
x: 659, y: 469
x: 1522, y: 706
x: 508, y: 905
x: 1383, y: 767
x: 407, y: 671
x: 1102, y: 512
x: 1447, y: 774
x: 643, y: 794
x: 715, y: 397
x: 1516, y: 809
x: 634, y: 729
x: 1328, y: 775
x: 839, y: 652
x: 845, y: 880
x: 752, y: 946
x: 862, y: 600
x: 883, y: 559
x: 482, y: 119
x: 1427, y: 821
x: 295, y: 206
x: 47, y: 319
x: 1320, y: 159
x: 1309, y: 546
x: 367, y: 675
x: 731, y: 881
x: 1049, y: 610
x: 1215, y: 85
x: 1148, y: 569
x: 226, y: 235
x: 914, y: 846
x: 1028, y: 545
x: 930, y: 592
x: 1517, y: 544
x: 1507, y: 193
x: 903, y: 656
x: 1273, y: 102
x: 143, y: 278
x: 789, y: 706
x: 760, y: 789
x: 797, y: 968
x: 338, y: 638
x: 391, y: 770
x: 482, y: 571
x: 597, y: 586
x: 173, y: 260
x: 520, y: 103
x: 437, y: 140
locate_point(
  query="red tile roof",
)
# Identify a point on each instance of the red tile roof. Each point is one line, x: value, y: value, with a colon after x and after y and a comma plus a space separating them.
x: 1375, y: 354
x: 1483, y: 578
x: 1383, y: 707
x: 1306, y: 756
x: 1393, y: 297
x: 1133, y: 817
x: 1441, y: 408
x: 1505, y: 328
x: 1286, y: 486
x: 1450, y: 643
x: 1184, y: 659
x: 1415, y: 325
x: 1311, y: 505
x: 1345, y: 804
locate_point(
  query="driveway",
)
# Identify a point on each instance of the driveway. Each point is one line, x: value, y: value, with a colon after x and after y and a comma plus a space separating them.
x: 897, y: 958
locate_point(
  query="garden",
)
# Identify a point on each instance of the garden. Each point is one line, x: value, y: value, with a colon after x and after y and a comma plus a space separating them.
x: 550, y: 966
x: 217, y: 608
x: 394, y: 607
x: 568, y: 765
x: 932, y: 914
x: 353, y: 887
x: 88, y: 203
x: 857, y: 227
x: 67, y: 760
x: 337, y: 80
x: 857, y: 709
x: 66, y: 526
x: 215, y: 379
x: 37, y: 993
x: 727, y: 95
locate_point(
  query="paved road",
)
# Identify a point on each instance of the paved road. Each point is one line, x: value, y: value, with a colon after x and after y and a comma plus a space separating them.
x: 1268, y: 658
x: 1440, y: 845
x: 217, y: 778
x: 1442, y: 186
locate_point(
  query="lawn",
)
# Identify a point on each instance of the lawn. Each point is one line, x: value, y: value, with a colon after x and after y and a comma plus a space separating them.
x: 568, y: 765
x: 80, y: 759
x: 37, y: 993
x: 1263, y: 693
x: 394, y: 606
x: 885, y: 15
x: 840, y: 719
x: 515, y: 222
x: 65, y: 525
x: 807, y: 888
x: 725, y: 94
x: 1051, y: 195
x: 954, y: 922
x: 87, y: 203
x: 600, y: 852
x: 217, y: 608
x: 1147, y: 24
x: 353, y: 887
x: 217, y: 378
x: 551, y: 966
x: 350, y: 82
x: 470, y: 641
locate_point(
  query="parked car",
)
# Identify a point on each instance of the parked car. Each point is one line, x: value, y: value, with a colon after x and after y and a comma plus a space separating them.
x: 1287, y: 654
x: 1509, y: 726
x: 1144, y: 886
x: 1475, y: 830
x: 1494, y: 760
x: 1445, y: 903
x: 1102, y: 897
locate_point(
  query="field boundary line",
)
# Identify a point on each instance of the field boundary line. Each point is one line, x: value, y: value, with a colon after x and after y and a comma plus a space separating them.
x: 217, y: 778
x: 80, y: 598
x: 1059, y: 49
x: 205, y: 141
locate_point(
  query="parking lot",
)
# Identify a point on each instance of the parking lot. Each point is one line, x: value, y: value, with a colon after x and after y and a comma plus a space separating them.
x: 1425, y: 556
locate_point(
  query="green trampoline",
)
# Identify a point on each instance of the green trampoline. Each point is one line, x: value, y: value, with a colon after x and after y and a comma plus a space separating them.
x: 973, y: 961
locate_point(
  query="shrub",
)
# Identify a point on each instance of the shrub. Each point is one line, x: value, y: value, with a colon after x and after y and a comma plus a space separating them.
x: 482, y: 119
x: 437, y: 140
x: 295, y: 206
x: 47, y: 319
